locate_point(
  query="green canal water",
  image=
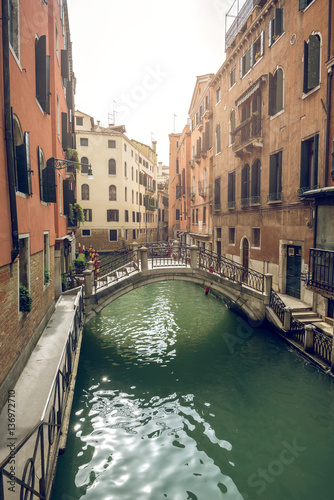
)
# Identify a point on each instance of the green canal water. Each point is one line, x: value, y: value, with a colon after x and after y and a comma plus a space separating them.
x: 179, y: 398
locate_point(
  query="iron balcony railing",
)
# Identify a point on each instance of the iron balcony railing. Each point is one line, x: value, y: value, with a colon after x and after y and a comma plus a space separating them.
x: 321, y: 269
x: 33, y: 476
x: 275, y: 196
x: 249, y: 129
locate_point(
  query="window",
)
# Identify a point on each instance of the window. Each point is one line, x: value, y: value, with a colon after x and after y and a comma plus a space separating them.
x: 132, y: 176
x: 256, y: 237
x: 84, y: 165
x: 204, y: 215
x: 112, y: 166
x: 232, y: 126
x: 112, y: 193
x: 177, y: 214
x: 14, y: 25
x: 42, y: 70
x: 126, y: 215
x: 257, y: 49
x: 85, y: 232
x: 311, y: 63
x: 112, y: 215
x: 276, y: 26
x: 245, y: 63
x: 88, y: 214
x: 112, y: 234
x: 125, y: 194
x: 256, y: 182
x: 218, y: 139
x: 132, y: 196
x: 275, y: 92
x: 193, y: 216
x: 79, y: 121
x: 85, y: 192
x: 232, y: 77
x: 24, y: 261
x: 217, y: 194
x: 125, y: 170
x: 309, y: 163
x: 245, y: 184
x: 125, y: 147
x: 83, y: 141
x: 133, y: 216
x: 275, y: 177
x: 231, y: 190
x: 112, y: 144
x: 218, y: 95
x: 57, y: 41
x: 231, y: 235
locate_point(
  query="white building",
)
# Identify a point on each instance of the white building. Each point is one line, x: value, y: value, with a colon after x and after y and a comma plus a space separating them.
x: 119, y: 202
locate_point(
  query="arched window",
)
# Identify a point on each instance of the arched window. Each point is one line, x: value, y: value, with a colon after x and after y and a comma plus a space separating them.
x: 84, y: 165
x: 311, y: 63
x: 112, y: 193
x: 112, y: 166
x: 85, y: 192
x: 232, y: 126
x: 245, y: 185
x: 276, y: 92
x: 256, y: 182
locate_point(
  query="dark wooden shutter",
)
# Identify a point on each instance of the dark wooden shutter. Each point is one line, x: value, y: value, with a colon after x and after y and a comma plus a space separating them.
x: 279, y: 171
x: 316, y: 156
x: 255, y: 182
x: 69, y: 94
x: 217, y: 191
x: 273, y: 175
x: 304, y: 165
x: 66, y: 198
x: 64, y: 133
x: 64, y: 64
x: 302, y: 4
x: 40, y: 56
x: 278, y: 22
x: 230, y: 193
x: 49, y: 182
x: 47, y: 91
x: 22, y: 169
x: 272, y: 95
x: 279, y: 90
x: 313, y: 74
x: 305, y: 76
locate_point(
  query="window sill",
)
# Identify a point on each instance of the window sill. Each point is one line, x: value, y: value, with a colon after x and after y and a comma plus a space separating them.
x: 277, y: 114
x: 275, y: 202
x: 22, y: 195
x: 304, y: 96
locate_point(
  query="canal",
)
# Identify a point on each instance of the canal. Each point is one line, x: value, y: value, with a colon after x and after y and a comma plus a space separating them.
x: 179, y: 398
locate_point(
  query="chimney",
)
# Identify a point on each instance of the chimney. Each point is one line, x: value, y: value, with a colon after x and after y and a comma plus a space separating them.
x: 154, y: 146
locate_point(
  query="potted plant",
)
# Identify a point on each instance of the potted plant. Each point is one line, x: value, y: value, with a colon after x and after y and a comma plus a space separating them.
x: 257, y: 55
x: 73, y: 155
x: 25, y: 299
x: 47, y: 276
x: 71, y: 217
x: 79, y: 212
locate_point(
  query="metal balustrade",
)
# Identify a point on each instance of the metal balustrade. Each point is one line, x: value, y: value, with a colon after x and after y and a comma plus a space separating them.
x: 321, y: 269
x: 33, y: 479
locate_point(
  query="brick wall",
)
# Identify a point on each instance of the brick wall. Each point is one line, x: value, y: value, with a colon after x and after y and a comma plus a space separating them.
x: 18, y: 328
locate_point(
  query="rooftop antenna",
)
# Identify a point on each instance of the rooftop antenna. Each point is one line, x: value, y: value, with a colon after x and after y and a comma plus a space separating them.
x: 114, y: 112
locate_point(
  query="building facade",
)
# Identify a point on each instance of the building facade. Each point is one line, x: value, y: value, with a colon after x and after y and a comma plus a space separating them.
x: 272, y: 107
x: 36, y: 122
x: 120, y: 201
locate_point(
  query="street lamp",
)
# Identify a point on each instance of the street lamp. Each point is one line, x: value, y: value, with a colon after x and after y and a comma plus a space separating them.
x: 61, y: 163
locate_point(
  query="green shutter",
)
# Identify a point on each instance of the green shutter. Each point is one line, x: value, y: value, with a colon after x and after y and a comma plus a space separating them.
x: 302, y: 4
x: 313, y: 74
x: 40, y: 61
x: 272, y: 175
x: 64, y: 64
x: 304, y: 165
x: 316, y: 156
x: 64, y: 133
x: 305, y: 76
x: 270, y: 36
x: 278, y: 22
x: 22, y: 169
x: 280, y: 170
x: 279, y: 90
x: 66, y: 202
x: 272, y: 96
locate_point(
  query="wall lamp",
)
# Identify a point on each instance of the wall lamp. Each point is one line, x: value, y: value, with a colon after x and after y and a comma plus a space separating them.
x: 61, y: 163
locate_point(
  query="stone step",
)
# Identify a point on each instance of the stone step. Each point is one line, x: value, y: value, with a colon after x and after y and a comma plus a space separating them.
x: 308, y: 321
x: 305, y: 314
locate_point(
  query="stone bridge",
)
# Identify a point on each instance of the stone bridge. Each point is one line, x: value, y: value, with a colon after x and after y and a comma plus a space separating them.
x: 242, y: 289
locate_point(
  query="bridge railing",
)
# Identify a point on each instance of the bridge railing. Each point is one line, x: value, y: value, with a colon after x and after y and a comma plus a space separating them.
x: 168, y: 255
x: 120, y: 265
x: 231, y: 270
x: 27, y: 471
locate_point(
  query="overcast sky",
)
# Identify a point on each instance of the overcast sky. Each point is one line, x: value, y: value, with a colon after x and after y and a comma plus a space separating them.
x: 145, y: 55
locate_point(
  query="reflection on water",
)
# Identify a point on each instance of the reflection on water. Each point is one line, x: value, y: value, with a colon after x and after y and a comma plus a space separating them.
x: 179, y: 398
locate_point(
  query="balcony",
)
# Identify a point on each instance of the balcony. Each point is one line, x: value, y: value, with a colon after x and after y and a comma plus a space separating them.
x: 240, y: 17
x: 202, y: 188
x: 231, y: 204
x: 321, y: 270
x: 245, y: 202
x: 192, y: 163
x: 274, y: 197
x: 191, y: 194
x: 255, y: 200
x: 247, y: 136
x: 305, y: 189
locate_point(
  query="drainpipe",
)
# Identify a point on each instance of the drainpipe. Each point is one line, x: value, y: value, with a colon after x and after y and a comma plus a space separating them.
x: 8, y: 131
x: 329, y: 93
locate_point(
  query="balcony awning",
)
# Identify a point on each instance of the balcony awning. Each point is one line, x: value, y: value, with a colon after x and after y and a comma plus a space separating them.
x: 250, y: 91
x: 320, y: 192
